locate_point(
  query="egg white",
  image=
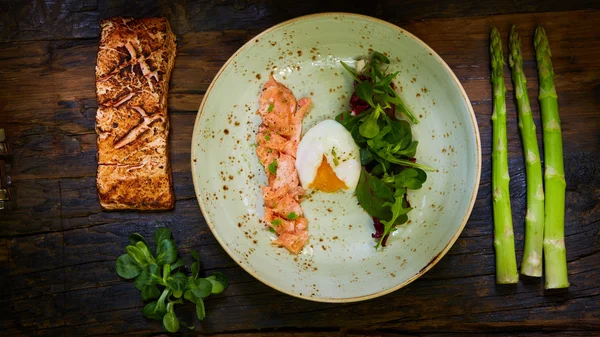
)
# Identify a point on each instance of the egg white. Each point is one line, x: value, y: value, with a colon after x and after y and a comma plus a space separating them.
x: 330, y: 139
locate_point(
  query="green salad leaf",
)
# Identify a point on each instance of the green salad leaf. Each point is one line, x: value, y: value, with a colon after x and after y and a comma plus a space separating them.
x: 162, y: 281
x: 364, y: 90
x: 373, y: 194
x: 127, y: 267
x: 387, y: 147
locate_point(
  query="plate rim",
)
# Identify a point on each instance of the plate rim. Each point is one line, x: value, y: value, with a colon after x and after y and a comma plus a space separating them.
x: 474, y: 193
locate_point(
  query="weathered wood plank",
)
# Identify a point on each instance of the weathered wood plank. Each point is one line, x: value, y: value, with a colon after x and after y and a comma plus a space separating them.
x: 37, y: 208
x: 26, y: 109
x: 29, y: 254
x: 57, y: 250
x: 32, y: 314
x: 36, y: 284
x: 332, y: 332
x: 430, y: 299
x: 26, y: 70
x: 57, y: 20
x: 321, y: 333
x: 577, y: 70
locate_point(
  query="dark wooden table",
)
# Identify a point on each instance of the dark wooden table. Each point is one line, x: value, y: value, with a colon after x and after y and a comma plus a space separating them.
x: 58, y: 248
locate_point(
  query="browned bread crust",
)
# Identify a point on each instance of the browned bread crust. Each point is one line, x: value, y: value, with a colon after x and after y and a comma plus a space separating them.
x: 146, y: 186
x: 133, y: 68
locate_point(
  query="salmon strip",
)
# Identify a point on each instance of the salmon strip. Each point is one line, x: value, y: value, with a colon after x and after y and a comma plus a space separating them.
x: 277, y: 139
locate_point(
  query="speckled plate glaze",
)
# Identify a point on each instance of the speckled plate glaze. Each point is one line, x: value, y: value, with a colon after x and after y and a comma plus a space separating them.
x: 339, y: 264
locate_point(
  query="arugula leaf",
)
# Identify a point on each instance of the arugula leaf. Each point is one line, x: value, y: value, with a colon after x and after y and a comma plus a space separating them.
x: 377, y: 56
x: 398, y: 209
x: 375, y: 71
x: 404, y: 162
x: 351, y: 71
x: 385, y: 82
x: 395, y: 99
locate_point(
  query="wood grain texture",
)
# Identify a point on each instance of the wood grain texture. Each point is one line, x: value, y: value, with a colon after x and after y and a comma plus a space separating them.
x: 58, y: 248
x: 34, y: 20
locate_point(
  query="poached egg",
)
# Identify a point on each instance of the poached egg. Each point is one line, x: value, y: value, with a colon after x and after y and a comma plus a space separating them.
x: 328, y: 159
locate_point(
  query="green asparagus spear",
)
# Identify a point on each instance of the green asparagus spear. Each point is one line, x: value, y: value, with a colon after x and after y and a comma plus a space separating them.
x: 504, y: 238
x: 534, y: 220
x: 555, y: 256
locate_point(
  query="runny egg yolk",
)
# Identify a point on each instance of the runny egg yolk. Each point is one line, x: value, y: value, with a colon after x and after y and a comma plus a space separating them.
x: 326, y: 180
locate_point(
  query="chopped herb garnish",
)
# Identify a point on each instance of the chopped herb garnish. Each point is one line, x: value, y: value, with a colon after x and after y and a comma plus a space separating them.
x: 271, y: 230
x: 276, y: 222
x: 292, y: 216
x: 271, y: 106
x: 336, y: 160
x: 267, y: 135
x: 273, y: 166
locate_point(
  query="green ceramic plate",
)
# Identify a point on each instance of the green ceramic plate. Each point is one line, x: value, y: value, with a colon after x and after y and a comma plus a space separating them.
x: 339, y: 264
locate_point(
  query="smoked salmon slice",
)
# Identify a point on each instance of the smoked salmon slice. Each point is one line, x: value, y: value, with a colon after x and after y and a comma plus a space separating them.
x: 277, y: 140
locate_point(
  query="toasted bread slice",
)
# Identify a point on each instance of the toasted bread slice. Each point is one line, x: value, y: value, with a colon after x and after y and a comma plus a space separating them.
x: 133, y: 69
x: 146, y: 186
